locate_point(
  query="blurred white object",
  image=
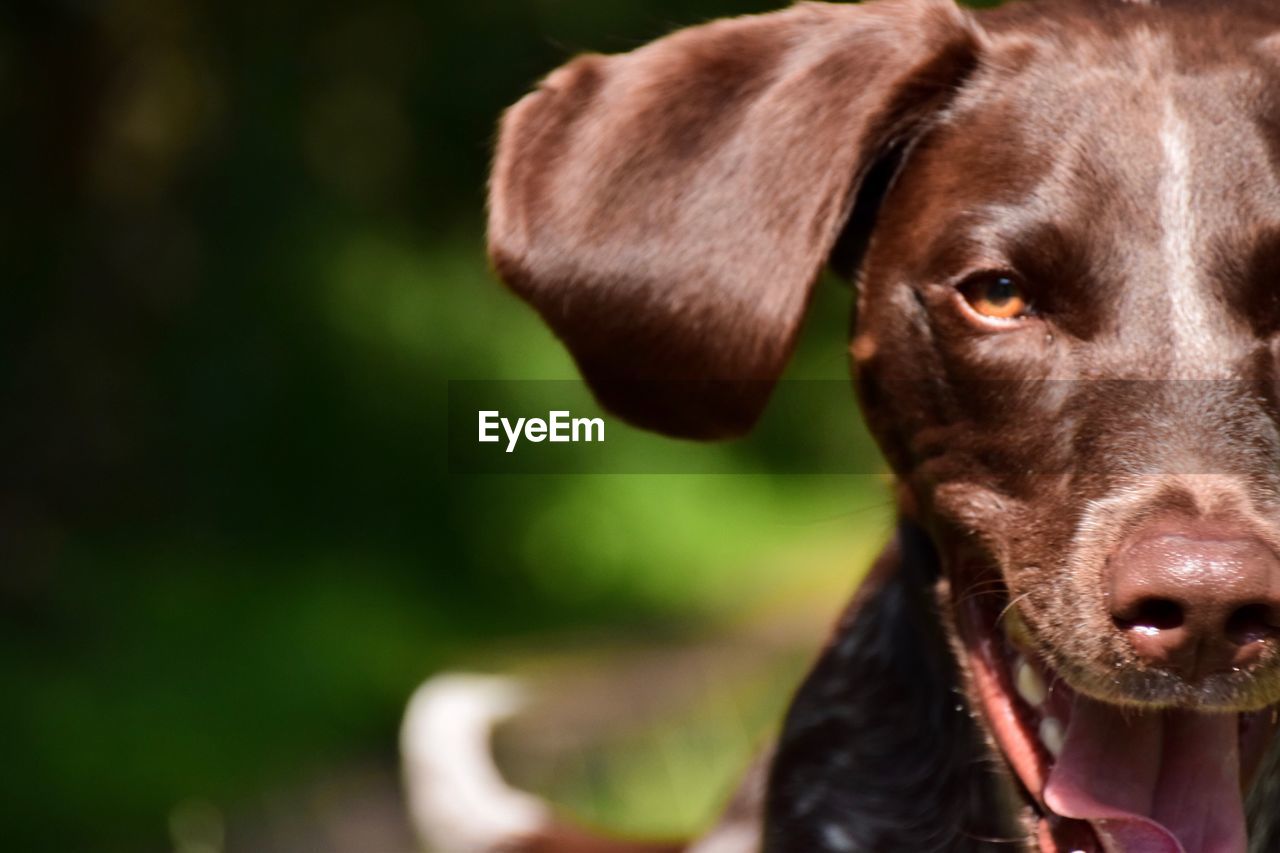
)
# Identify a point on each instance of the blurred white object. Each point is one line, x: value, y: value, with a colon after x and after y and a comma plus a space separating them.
x: 457, y: 799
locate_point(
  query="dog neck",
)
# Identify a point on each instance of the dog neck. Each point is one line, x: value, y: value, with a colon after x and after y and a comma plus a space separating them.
x: 880, y: 750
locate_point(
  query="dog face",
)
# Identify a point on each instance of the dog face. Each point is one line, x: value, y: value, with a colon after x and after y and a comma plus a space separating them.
x: 1066, y: 338
x: 1067, y: 345
x: 1067, y: 334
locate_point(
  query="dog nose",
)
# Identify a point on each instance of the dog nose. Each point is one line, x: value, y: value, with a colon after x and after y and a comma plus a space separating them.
x: 1196, y: 605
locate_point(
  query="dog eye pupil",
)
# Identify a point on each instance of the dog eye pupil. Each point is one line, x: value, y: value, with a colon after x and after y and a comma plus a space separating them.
x: 995, y: 295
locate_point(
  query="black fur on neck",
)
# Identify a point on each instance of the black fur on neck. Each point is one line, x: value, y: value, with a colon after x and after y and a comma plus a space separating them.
x: 880, y: 751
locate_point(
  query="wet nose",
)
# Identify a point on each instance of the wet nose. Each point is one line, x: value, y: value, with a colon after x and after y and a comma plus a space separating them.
x: 1195, y: 604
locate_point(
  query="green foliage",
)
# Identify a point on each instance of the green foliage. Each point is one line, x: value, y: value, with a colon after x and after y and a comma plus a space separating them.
x: 245, y: 260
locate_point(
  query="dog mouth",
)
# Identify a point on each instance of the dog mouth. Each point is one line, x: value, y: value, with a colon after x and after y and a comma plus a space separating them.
x: 1110, y: 777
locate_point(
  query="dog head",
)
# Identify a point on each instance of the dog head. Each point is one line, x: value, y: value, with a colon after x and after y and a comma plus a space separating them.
x: 1064, y: 221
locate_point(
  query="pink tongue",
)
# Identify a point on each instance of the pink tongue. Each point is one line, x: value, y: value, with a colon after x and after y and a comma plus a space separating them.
x: 1151, y: 782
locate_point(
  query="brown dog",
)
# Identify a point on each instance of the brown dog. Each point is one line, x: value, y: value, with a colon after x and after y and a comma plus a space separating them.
x: 1065, y: 222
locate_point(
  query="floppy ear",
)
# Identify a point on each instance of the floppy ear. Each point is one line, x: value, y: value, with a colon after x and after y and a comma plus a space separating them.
x: 667, y: 211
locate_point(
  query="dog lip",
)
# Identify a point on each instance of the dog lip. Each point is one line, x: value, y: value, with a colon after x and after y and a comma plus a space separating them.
x: 1152, y: 688
x: 1030, y: 759
x: 1126, y: 680
x: 999, y: 663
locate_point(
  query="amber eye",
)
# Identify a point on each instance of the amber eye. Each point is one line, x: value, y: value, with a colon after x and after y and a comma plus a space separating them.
x: 999, y: 296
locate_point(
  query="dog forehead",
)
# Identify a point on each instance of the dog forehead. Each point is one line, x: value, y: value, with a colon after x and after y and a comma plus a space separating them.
x: 1094, y: 95
x: 1134, y: 169
x: 1098, y: 78
x: 1114, y: 136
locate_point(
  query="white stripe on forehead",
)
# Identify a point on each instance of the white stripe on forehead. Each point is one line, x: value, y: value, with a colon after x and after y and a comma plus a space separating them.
x: 1191, y: 315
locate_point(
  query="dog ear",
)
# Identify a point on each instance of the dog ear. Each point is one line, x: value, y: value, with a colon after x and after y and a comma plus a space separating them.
x: 667, y: 211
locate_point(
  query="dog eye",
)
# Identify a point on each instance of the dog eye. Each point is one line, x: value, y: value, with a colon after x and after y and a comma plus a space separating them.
x: 999, y: 296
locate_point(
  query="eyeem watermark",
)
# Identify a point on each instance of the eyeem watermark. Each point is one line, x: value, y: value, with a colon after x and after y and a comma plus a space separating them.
x: 559, y: 426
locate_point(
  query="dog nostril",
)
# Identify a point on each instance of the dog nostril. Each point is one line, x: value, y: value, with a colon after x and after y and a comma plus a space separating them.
x: 1154, y: 614
x: 1250, y: 623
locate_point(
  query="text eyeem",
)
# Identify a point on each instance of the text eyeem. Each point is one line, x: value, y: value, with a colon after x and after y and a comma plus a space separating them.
x: 559, y: 426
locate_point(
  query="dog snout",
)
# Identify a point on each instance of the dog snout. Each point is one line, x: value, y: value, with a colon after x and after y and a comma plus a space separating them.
x: 1196, y: 602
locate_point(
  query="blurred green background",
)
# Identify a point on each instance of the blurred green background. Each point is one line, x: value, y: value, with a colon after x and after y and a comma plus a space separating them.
x: 243, y: 255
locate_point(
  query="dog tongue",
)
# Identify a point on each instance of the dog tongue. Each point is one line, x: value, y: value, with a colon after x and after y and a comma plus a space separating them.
x: 1151, y: 782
